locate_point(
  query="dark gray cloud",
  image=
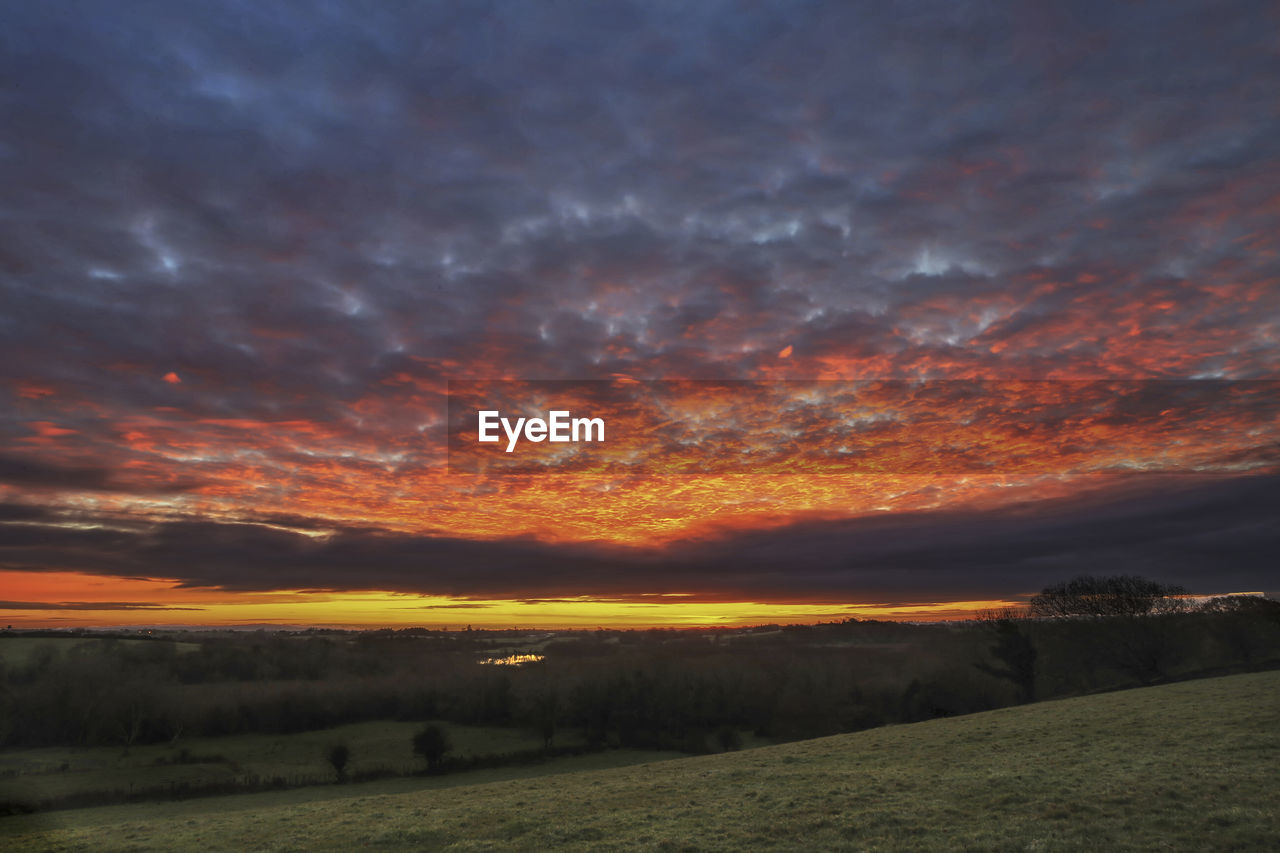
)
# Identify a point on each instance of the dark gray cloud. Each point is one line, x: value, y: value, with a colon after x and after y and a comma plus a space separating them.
x: 287, y: 203
x: 1211, y: 537
x: 23, y: 512
x: 33, y: 473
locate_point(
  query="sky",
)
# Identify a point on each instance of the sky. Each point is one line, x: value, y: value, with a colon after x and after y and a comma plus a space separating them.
x: 893, y: 310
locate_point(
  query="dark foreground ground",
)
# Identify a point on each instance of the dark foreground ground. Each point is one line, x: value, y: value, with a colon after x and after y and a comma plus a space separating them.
x: 1187, y: 766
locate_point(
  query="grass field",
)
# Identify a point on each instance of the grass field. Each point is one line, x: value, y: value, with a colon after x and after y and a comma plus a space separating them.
x: 35, y: 775
x: 18, y: 651
x: 1189, y: 766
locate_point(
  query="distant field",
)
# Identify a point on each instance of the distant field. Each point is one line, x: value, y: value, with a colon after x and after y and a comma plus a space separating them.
x: 18, y: 651
x: 1189, y: 766
x: 33, y: 775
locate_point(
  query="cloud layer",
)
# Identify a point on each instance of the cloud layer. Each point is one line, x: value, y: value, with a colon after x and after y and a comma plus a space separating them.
x: 1223, y: 534
x: 243, y: 249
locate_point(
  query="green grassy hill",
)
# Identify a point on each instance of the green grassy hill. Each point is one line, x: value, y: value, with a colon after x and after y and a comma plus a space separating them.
x: 1189, y: 766
x: 20, y: 651
x: 35, y: 775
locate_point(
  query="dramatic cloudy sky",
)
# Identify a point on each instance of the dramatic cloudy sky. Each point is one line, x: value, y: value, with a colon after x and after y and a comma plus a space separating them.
x: 244, y: 248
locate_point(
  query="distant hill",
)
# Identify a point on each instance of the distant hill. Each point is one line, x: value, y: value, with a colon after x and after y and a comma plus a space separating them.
x: 1188, y: 766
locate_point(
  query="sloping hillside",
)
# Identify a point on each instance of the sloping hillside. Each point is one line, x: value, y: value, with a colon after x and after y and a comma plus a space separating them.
x: 1187, y: 766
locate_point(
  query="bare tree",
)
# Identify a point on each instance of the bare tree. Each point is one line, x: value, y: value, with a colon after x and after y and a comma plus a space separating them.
x: 1133, y: 635
x: 1116, y: 595
x: 129, y: 707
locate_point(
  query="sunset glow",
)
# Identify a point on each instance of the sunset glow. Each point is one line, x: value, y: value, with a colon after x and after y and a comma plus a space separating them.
x: 885, y: 326
x: 167, y: 606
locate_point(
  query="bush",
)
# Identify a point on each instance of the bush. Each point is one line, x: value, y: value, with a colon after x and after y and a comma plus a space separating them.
x: 338, y: 756
x: 432, y: 743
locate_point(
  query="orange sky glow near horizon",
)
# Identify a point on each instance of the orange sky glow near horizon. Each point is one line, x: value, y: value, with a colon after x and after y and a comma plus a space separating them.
x: 359, y: 609
x: 1031, y: 443
x: 887, y: 316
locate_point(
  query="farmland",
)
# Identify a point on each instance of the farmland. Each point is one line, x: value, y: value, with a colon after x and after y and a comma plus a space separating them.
x: 1190, y: 765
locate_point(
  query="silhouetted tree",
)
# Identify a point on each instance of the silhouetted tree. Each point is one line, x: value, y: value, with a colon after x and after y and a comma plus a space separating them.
x: 432, y: 744
x: 1116, y: 595
x: 1137, y: 637
x: 130, y: 712
x: 338, y: 756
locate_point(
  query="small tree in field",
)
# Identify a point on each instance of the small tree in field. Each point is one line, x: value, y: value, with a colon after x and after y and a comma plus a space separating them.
x: 432, y: 744
x: 338, y: 755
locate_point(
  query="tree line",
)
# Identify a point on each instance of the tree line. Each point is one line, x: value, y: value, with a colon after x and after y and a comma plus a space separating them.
x: 688, y: 690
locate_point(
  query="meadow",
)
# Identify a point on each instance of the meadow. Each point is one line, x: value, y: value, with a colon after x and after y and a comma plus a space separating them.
x: 23, y: 651
x: 381, y: 748
x: 1186, y: 766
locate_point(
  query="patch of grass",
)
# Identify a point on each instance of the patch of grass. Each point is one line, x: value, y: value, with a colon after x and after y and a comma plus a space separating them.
x: 1188, y: 766
x: 36, y: 775
x: 19, y: 651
